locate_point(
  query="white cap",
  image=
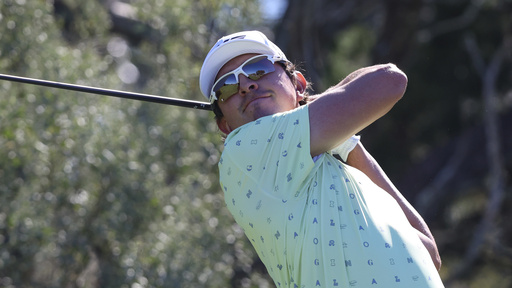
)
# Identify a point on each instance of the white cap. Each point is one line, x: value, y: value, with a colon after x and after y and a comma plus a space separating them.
x: 231, y: 46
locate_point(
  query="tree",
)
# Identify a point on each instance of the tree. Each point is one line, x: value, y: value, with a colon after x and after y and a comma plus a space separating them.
x: 442, y: 142
x: 104, y: 192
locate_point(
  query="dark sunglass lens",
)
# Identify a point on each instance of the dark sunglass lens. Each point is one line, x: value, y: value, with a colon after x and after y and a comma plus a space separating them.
x: 225, y: 85
x: 225, y: 80
x: 259, y: 68
x: 226, y: 91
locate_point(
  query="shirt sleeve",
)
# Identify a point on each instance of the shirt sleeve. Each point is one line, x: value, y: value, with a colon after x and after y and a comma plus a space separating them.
x: 272, y: 152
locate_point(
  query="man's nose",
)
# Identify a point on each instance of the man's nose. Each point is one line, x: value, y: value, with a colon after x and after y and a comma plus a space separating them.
x: 246, y: 84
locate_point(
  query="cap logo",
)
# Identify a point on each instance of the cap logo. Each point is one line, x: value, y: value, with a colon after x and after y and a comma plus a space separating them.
x: 221, y: 41
x: 237, y: 37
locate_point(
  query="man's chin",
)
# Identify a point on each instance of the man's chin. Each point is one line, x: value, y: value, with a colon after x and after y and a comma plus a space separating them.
x: 263, y: 107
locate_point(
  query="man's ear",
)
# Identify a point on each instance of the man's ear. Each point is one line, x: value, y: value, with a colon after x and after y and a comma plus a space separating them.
x: 302, y: 83
x: 224, y: 126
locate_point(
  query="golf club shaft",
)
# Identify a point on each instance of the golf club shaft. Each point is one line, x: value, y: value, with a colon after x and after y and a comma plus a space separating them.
x: 109, y: 92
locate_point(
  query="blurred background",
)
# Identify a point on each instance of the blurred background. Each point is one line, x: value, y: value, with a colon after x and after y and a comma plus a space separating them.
x: 104, y: 192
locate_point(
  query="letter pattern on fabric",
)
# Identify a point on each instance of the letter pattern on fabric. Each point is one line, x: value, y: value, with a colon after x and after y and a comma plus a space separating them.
x: 316, y: 223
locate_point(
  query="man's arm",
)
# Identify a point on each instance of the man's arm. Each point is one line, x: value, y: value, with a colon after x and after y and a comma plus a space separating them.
x: 360, y: 159
x: 358, y: 100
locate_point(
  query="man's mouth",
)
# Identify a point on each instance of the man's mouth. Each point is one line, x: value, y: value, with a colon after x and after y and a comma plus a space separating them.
x: 253, y: 100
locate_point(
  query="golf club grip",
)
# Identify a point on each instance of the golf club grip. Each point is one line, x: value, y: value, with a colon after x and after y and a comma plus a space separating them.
x: 109, y: 92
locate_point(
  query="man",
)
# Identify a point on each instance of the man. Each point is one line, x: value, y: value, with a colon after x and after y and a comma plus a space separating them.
x: 313, y: 220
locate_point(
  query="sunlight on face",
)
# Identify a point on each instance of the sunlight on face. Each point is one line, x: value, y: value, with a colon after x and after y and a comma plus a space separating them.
x: 271, y: 94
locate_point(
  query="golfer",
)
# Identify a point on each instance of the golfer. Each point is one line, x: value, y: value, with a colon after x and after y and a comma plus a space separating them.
x: 314, y: 221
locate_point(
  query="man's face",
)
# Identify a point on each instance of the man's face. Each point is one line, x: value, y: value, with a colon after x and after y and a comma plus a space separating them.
x: 271, y: 94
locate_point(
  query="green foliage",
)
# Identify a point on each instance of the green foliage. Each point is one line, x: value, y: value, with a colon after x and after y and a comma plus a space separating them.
x: 104, y: 192
x: 352, y: 48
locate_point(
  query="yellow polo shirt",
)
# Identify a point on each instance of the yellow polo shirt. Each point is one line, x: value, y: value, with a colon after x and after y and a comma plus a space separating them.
x: 316, y: 223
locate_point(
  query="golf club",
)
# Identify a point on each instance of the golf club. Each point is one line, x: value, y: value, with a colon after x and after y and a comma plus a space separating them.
x: 109, y: 92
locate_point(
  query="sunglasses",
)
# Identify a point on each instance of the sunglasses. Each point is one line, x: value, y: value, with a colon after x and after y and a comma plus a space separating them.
x: 254, y: 68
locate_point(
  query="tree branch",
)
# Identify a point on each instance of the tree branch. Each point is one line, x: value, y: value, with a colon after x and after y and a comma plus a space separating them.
x: 428, y: 196
x: 489, y: 75
x: 454, y: 24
